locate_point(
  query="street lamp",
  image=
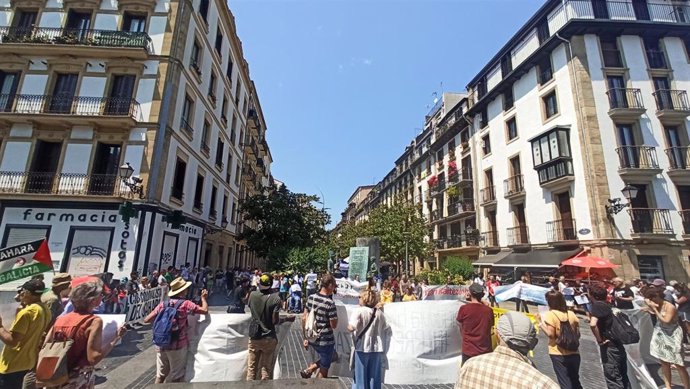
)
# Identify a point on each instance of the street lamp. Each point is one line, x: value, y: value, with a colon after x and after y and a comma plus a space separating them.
x: 134, y: 183
x: 406, y: 234
x: 615, y: 205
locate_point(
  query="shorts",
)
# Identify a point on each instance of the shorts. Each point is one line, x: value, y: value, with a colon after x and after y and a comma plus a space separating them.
x: 171, y: 364
x: 283, y: 296
x: 325, y: 354
x: 684, y: 316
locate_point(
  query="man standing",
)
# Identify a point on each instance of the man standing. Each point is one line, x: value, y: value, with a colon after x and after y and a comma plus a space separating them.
x: 508, y: 365
x: 52, y: 299
x: 310, y: 279
x: 475, y: 321
x: 23, y: 340
x: 613, y: 356
x: 561, y: 284
x: 239, y: 296
x: 171, y: 360
x: 326, y: 321
x: 622, y: 295
x: 491, y: 286
x: 264, y: 306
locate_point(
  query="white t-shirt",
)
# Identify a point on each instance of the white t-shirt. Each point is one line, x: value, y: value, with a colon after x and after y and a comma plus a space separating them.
x: 295, y: 288
x: 376, y: 337
x: 276, y: 284
x: 561, y: 286
x: 162, y: 280
x: 311, y: 280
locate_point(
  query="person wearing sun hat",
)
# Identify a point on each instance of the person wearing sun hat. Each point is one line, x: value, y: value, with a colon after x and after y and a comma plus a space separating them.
x: 52, y: 298
x: 171, y: 361
x: 22, y: 341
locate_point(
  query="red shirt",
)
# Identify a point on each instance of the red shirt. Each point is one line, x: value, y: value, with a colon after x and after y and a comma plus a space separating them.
x: 74, y: 326
x: 185, y: 309
x: 476, y: 320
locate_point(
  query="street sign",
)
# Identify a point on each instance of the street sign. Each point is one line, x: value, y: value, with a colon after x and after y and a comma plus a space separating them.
x: 359, y: 262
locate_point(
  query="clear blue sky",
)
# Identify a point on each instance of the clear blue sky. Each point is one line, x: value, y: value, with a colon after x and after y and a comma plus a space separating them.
x: 345, y: 84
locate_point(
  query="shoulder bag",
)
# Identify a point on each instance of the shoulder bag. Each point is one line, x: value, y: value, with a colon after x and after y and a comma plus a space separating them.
x: 353, y: 350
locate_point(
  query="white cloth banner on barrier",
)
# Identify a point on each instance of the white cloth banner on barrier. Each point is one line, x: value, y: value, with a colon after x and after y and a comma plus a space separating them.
x: 526, y: 292
x: 348, y: 291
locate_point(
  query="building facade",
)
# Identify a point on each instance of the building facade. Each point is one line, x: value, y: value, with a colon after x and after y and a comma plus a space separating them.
x: 122, y: 126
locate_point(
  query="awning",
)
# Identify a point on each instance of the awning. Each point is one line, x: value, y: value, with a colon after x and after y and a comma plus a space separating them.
x: 491, y: 259
x: 537, y: 258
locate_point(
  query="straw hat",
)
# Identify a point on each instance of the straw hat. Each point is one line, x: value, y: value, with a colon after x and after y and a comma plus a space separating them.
x: 61, y: 279
x: 178, y: 285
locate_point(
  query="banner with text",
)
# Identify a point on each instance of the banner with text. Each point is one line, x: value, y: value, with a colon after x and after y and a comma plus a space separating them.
x: 519, y: 290
x: 445, y: 292
x: 24, y: 260
x: 143, y: 302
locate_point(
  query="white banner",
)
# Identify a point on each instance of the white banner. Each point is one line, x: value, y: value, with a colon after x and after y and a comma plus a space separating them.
x: 141, y: 303
x: 526, y: 292
x: 348, y: 291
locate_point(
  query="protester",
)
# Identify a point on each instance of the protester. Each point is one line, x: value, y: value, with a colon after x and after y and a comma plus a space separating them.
x: 566, y: 362
x: 622, y: 295
x: 409, y: 294
x: 283, y: 291
x: 264, y: 305
x: 86, y: 331
x: 326, y: 321
x: 491, y: 286
x: 133, y: 283
x: 171, y: 360
x: 23, y: 340
x: 153, y: 280
x: 508, y: 365
x: 52, y: 299
x: 667, y: 338
x: 310, y: 279
x: 521, y: 305
x: 239, y: 296
x: 475, y: 321
x: 371, y: 335
x: 404, y: 284
x: 145, y: 283
x: 613, y: 356
x: 419, y: 288
x: 386, y: 294
x: 295, y: 298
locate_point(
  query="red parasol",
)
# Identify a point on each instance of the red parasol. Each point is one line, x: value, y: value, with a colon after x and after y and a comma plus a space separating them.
x: 589, y: 263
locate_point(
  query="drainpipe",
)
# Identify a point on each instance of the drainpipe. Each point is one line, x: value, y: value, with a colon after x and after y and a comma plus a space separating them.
x: 588, y: 162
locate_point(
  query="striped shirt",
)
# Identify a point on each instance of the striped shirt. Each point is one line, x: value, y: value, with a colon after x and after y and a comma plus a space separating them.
x: 324, y: 312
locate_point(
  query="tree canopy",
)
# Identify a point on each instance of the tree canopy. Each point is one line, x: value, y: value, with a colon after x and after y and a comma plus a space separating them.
x: 284, y: 221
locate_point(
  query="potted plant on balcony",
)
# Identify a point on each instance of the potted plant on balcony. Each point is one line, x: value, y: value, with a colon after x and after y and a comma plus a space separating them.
x: 432, y: 181
x: 453, y: 191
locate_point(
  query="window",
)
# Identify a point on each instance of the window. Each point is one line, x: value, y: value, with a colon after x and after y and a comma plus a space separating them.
x: 219, y: 41
x: 545, y: 72
x: 655, y: 55
x: 195, y: 58
x: 233, y: 129
x: 233, y: 212
x: 8, y: 87
x: 508, y: 100
x: 551, y: 155
x: 506, y: 65
x: 481, y: 88
x: 486, y: 145
x: 212, y: 88
x: 228, y: 71
x: 651, y: 267
x: 121, y: 92
x: 205, y: 136
x: 24, y: 21
x: 244, y: 105
x: 178, y: 179
x: 203, y: 10
x: 224, y: 110
x: 225, y: 207
x: 133, y: 22
x: 237, y: 94
x: 186, y: 120
x: 220, y: 148
x: 484, y: 118
x: 199, y: 192
x: 237, y: 174
x: 212, y: 210
x: 550, y: 104
x: 511, y: 129
x: 543, y: 30
x: 439, y: 156
x: 610, y: 52
x: 228, y: 171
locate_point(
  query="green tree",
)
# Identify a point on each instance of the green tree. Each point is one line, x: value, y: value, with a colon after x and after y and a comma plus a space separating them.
x: 307, y: 259
x: 459, y: 266
x: 284, y: 221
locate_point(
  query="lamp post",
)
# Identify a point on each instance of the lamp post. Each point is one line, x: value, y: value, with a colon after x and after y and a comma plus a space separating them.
x: 133, y: 183
x: 615, y: 205
x: 406, y: 234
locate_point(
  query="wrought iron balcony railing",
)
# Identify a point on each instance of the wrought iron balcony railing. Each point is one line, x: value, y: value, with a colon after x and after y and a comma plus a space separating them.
x: 488, y: 194
x: 513, y: 186
x: 490, y: 239
x: 637, y: 157
x: 561, y: 230
x: 651, y: 221
x: 69, y: 105
x: 679, y: 157
x: 464, y: 205
x: 625, y: 98
x: 64, y: 184
x: 671, y: 100
x: 685, y: 217
x: 518, y: 235
x: 74, y: 36
x: 457, y: 241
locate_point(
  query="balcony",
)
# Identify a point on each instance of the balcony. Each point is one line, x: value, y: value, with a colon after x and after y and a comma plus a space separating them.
x: 83, y: 42
x: 457, y: 242
x: 489, y: 239
x: 518, y: 236
x: 685, y: 217
x: 435, y: 215
x: 462, y: 208
x: 465, y: 178
x: 54, y: 109
x: 625, y: 103
x: 679, y: 161
x: 672, y: 106
x: 453, y: 177
x: 61, y: 184
x: 487, y: 196
x: 621, y: 10
x: 637, y: 162
x: 648, y: 223
x: 556, y: 174
x: 561, y: 232
x: 513, y: 187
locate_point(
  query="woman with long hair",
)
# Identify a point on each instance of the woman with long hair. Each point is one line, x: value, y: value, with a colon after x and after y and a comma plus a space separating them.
x: 371, y: 335
x: 564, y: 358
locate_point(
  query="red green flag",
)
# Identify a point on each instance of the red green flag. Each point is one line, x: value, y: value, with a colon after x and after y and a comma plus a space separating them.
x: 24, y: 260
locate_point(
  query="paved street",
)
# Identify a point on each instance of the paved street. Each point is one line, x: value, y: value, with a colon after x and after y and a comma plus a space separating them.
x: 132, y: 364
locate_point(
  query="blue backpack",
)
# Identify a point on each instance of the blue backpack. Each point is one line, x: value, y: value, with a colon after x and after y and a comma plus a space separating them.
x: 165, y: 327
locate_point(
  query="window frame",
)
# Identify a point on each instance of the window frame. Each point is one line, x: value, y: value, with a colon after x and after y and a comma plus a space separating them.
x: 545, y: 104
x: 512, y: 119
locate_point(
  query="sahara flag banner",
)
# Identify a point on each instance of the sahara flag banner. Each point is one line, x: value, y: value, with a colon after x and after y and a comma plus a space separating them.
x: 24, y: 260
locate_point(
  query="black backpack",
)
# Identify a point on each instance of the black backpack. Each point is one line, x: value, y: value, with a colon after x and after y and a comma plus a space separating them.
x: 622, y: 329
x: 568, y: 338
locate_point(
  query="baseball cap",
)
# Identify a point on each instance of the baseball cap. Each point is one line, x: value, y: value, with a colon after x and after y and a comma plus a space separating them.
x: 265, y: 282
x: 476, y: 289
x: 35, y: 287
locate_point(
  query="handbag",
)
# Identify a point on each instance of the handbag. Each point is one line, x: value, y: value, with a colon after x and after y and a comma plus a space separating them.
x: 359, y: 337
x: 51, y: 369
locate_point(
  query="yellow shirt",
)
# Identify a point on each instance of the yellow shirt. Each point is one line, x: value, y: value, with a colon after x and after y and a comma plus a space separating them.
x: 31, y: 322
x: 409, y: 297
x: 386, y: 297
x: 553, y: 319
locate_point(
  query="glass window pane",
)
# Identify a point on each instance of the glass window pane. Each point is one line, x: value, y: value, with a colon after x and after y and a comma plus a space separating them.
x: 536, y: 153
x: 553, y: 145
x: 544, y: 144
x: 563, y: 143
